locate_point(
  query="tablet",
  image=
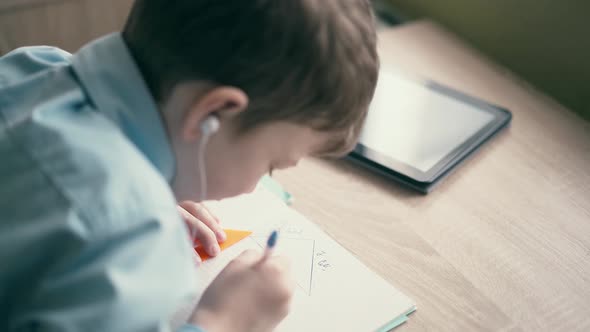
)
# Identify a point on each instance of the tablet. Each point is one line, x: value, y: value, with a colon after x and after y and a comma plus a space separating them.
x: 417, y: 132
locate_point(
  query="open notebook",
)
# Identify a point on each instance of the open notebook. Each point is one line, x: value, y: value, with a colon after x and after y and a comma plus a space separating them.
x: 335, y: 291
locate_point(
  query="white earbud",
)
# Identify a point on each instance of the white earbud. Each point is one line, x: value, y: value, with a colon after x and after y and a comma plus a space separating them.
x: 210, y: 125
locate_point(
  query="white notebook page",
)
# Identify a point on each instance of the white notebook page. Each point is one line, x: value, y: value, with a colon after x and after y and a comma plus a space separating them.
x: 334, y: 292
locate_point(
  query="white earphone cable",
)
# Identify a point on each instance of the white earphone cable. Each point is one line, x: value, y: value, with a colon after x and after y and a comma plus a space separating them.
x: 202, y: 168
x: 202, y: 173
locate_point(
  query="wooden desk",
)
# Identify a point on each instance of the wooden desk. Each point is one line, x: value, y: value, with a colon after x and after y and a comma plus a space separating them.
x: 67, y: 24
x: 504, y: 243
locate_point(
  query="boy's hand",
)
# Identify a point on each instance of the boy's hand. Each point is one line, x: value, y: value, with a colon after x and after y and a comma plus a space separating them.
x: 204, y: 225
x: 250, y: 294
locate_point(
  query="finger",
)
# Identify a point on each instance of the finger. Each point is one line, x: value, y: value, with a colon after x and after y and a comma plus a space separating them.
x: 279, y: 269
x: 211, y: 214
x: 249, y: 256
x: 189, y: 220
x: 205, y: 237
x: 214, y: 223
x: 187, y: 217
x: 200, y: 212
x: 197, y: 259
x: 280, y: 264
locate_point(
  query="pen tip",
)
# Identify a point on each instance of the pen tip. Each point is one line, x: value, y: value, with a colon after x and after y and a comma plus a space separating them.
x: 272, y: 240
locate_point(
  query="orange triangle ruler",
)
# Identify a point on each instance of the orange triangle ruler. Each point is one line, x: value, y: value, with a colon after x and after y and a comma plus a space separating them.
x: 233, y: 237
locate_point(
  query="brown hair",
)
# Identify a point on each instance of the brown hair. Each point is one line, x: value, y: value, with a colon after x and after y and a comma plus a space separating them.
x: 311, y: 62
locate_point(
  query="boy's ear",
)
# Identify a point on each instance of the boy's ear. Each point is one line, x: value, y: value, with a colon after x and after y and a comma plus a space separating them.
x: 222, y: 102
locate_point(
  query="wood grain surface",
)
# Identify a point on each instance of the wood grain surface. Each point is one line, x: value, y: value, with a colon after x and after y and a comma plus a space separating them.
x: 501, y: 245
x: 67, y: 24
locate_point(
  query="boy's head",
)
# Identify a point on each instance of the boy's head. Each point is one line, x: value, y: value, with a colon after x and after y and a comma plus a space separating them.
x: 286, y: 78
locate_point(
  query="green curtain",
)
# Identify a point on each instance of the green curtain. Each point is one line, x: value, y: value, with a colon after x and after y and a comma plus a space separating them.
x: 546, y: 42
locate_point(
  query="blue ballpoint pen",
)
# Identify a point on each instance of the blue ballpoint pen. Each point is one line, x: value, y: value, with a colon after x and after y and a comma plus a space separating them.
x: 270, y: 245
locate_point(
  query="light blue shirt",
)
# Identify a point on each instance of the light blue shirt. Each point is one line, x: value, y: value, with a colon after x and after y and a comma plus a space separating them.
x: 90, y: 238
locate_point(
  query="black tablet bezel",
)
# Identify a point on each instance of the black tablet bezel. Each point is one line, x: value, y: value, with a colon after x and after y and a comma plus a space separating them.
x: 501, y: 118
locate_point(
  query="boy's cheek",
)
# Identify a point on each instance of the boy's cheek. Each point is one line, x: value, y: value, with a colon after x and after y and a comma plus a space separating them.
x: 226, y: 184
x: 246, y: 185
x: 228, y: 192
x: 251, y: 188
x: 235, y: 177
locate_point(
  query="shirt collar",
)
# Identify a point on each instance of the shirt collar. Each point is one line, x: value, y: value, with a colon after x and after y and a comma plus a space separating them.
x: 115, y: 85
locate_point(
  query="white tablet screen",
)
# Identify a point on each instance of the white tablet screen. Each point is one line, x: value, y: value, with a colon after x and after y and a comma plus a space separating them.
x: 417, y: 126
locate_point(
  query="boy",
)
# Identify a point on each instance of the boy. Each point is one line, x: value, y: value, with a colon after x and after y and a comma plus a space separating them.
x: 97, y: 147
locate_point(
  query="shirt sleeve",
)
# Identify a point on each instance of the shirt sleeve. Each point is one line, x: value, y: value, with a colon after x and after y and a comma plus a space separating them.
x: 131, y: 280
x: 190, y: 328
x: 90, y: 237
x: 29, y: 60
